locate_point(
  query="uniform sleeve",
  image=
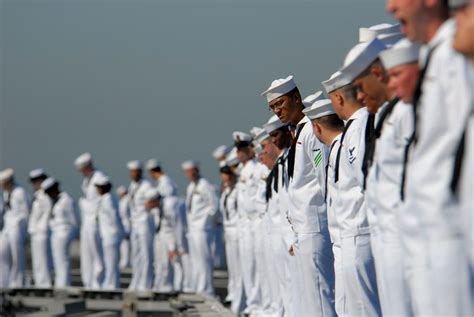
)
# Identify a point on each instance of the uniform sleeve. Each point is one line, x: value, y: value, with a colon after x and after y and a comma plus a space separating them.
x: 354, y: 152
x: 212, y: 200
x: 19, y: 202
x: 318, y: 154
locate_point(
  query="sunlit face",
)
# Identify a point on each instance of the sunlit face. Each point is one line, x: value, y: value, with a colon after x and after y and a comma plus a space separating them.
x: 464, y: 37
x: 402, y: 80
x: 244, y: 154
x: 284, y: 107
x: 412, y: 17
x: 370, y: 92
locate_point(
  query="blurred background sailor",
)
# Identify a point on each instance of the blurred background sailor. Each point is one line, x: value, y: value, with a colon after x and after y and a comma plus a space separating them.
x: 142, y: 229
x: 15, y: 220
x: 64, y: 226
x: 124, y: 210
x: 38, y: 228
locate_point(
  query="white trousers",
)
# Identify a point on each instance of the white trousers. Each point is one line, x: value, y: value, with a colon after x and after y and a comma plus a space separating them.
x: 391, y: 281
x: 313, y: 276
x: 60, y: 244
x: 235, y: 291
x: 92, y: 266
x: 201, y: 260
x: 163, y: 281
x: 41, y: 259
x: 125, y: 253
x: 439, y: 278
x: 182, y: 274
x: 339, y: 294
x: 277, y: 271
x: 16, y: 242
x: 262, y: 266
x: 110, y: 250
x: 248, y: 257
x: 142, y: 256
x: 359, y: 278
x: 5, y: 261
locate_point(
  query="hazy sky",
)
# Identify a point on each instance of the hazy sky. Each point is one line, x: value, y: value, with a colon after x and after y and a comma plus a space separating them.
x: 167, y: 79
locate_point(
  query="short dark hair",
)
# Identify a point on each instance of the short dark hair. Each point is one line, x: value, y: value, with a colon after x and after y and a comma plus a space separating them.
x: 156, y: 169
x: 332, y: 122
x: 227, y: 170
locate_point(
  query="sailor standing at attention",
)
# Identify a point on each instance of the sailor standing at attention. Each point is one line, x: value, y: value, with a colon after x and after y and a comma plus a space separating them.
x: 201, y: 204
x: 314, y: 265
x: 246, y: 192
x: 38, y: 228
x: 111, y: 231
x: 142, y: 229
x: 358, y: 269
x: 328, y: 128
x: 92, y: 267
x: 63, y: 224
x: 5, y: 259
x: 124, y: 210
x: 441, y: 102
x: 15, y: 218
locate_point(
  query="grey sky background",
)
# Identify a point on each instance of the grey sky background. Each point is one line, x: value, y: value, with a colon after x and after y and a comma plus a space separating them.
x: 167, y: 79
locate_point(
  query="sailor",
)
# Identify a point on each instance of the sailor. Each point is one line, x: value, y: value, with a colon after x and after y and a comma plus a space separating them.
x: 92, y: 267
x: 271, y: 294
x: 5, y: 259
x: 246, y: 192
x: 182, y: 267
x: 166, y: 243
x: 392, y: 133
x: 328, y: 129
x: 228, y: 206
x: 142, y: 230
x: 313, y: 270
x: 165, y: 185
x: 464, y: 43
x: 280, y: 233
x: 201, y: 204
x: 442, y: 97
x: 63, y: 224
x: 358, y: 271
x: 38, y: 228
x: 371, y: 84
x: 124, y: 210
x: 111, y: 231
x: 15, y: 218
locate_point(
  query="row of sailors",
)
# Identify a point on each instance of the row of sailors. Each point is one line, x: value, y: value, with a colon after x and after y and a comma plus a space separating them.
x: 360, y: 204
x: 146, y: 225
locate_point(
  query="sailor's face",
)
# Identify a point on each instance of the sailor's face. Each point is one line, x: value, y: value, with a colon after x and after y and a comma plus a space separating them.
x: 135, y: 174
x: 282, y: 107
x: 226, y: 179
x: 402, y: 80
x: 278, y: 138
x: 464, y: 37
x: 190, y: 173
x: 410, y: 15
x: 369, y: 92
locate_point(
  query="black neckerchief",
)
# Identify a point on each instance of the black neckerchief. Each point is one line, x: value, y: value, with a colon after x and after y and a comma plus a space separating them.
x: 338, y: 156
x: 292, y: 152
x: 327, y: 167
x: 372, y: 140
x: 413, y: 138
